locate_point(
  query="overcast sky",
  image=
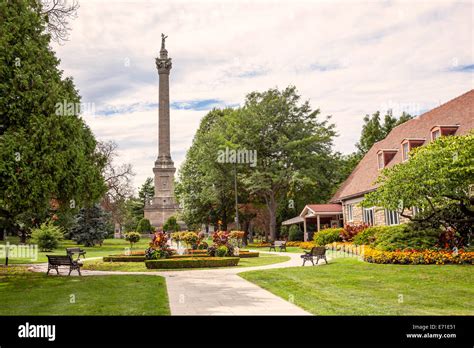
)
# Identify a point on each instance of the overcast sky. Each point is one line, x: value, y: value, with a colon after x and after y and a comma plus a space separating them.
x: 349, y: 58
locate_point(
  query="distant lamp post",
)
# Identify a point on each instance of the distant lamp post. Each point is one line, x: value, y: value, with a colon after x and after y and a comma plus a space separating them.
x: 236, y: 198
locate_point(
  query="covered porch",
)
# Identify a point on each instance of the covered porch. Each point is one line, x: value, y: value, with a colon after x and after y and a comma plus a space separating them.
x: 316, y: 217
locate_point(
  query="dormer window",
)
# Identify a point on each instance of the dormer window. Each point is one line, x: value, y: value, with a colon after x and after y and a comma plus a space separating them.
x: 406, y: 150
x: 380, y: 160
x: 438, y: 131
x: 408, y: 144
x: 384, y: 157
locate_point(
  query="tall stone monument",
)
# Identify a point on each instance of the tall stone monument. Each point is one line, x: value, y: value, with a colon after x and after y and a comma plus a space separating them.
x: 163, y: 204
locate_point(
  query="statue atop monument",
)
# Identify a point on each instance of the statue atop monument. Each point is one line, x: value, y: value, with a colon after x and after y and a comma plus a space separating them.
x: 163, y: 38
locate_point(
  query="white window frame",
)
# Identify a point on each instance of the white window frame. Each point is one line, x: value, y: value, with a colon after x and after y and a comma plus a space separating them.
x: 437, y: 131
x: 380, y: 160
x: 415, y: 211
x: 350, y: 212
x: 392, y: 217
x: 405, y: 154
x: 368, y: 215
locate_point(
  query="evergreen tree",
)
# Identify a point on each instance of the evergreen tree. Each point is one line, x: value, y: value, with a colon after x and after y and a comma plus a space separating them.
x: 91, y: 226
x: 47, y: 152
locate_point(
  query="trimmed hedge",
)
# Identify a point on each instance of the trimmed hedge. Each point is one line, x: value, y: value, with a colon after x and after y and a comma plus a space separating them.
x: 246, y: 254
x: 242, y: 254
x: 327, y: 236
x: 200, y: 262
x: 123, y: 258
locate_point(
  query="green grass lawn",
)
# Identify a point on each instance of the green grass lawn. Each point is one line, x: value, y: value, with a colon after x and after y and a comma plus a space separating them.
x: 347, y: 286
x: 109, y: 246
x: 26, y: 293
x: 99, y: 265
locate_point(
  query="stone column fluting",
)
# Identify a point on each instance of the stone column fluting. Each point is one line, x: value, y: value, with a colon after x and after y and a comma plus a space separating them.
x: 163, y: 64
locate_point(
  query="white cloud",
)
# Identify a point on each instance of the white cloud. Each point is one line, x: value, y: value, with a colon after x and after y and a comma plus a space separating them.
x: 348, y: 57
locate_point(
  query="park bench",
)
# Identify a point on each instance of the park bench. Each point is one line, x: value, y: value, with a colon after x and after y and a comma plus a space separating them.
x: 79, y: 251
x: 278, y: 243
x: 54, y: 261
x: 318, y: 252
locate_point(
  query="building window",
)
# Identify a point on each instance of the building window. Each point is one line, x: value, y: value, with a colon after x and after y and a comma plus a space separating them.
x: 415, y: 211
x: 436, y: 134
x: 392, y: 217
x: 349, y: 212
x: 380, y: 160
x: 406, y: 150
x: 368, y: 216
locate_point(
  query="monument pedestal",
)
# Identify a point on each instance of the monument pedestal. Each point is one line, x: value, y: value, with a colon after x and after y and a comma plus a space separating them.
x: 163, y: 204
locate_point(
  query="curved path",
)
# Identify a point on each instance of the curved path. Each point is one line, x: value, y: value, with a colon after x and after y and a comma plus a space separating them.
x: 217, y: 291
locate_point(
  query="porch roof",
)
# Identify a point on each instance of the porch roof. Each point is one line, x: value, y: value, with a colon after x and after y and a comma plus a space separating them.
x: 292, y: 221
x: 321, y: 209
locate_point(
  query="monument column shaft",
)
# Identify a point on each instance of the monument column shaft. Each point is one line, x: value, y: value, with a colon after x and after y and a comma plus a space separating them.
x: 164, y: 116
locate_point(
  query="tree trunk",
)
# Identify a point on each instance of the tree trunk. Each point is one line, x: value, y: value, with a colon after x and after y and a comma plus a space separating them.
x: 272, y: 211
x: 2, y: 234
x: 23, y: 235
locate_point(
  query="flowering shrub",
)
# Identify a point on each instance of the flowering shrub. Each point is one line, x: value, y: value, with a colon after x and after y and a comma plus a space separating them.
x: 450, y: 238
x: 237, y: 236
x: 351, y: 230
x: 222, y: 251
x: 132, y: 238
x: 221, y: 238
x: 191, y: 239
x: 327, y: 236
x: 202, y: 246
x: 177, y: 236
x: 368, y: 235
x: 415, y: 257
x: 158, y: 247
x: 302, y: 245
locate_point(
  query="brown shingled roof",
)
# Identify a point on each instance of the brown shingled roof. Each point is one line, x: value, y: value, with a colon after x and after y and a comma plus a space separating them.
x: 458, y: 111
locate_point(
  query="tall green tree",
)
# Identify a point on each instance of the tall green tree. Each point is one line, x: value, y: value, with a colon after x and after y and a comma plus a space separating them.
x: 374, y: 130
x: 206, y: 187
x: 147, y: 191
x: 293, y: 146
x: 47, y: 152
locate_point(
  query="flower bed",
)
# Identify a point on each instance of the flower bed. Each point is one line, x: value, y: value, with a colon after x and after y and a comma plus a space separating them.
x: 124, y: 258
x: 200, y: 262
x: 415, y: 257
x: 302, y: 245
x: 258, y: 245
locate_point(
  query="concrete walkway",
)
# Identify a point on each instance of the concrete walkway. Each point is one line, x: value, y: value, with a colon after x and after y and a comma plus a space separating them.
x: 218, y: 291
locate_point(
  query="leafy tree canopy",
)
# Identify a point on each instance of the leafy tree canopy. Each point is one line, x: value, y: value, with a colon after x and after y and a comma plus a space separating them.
x: 437, y: 178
